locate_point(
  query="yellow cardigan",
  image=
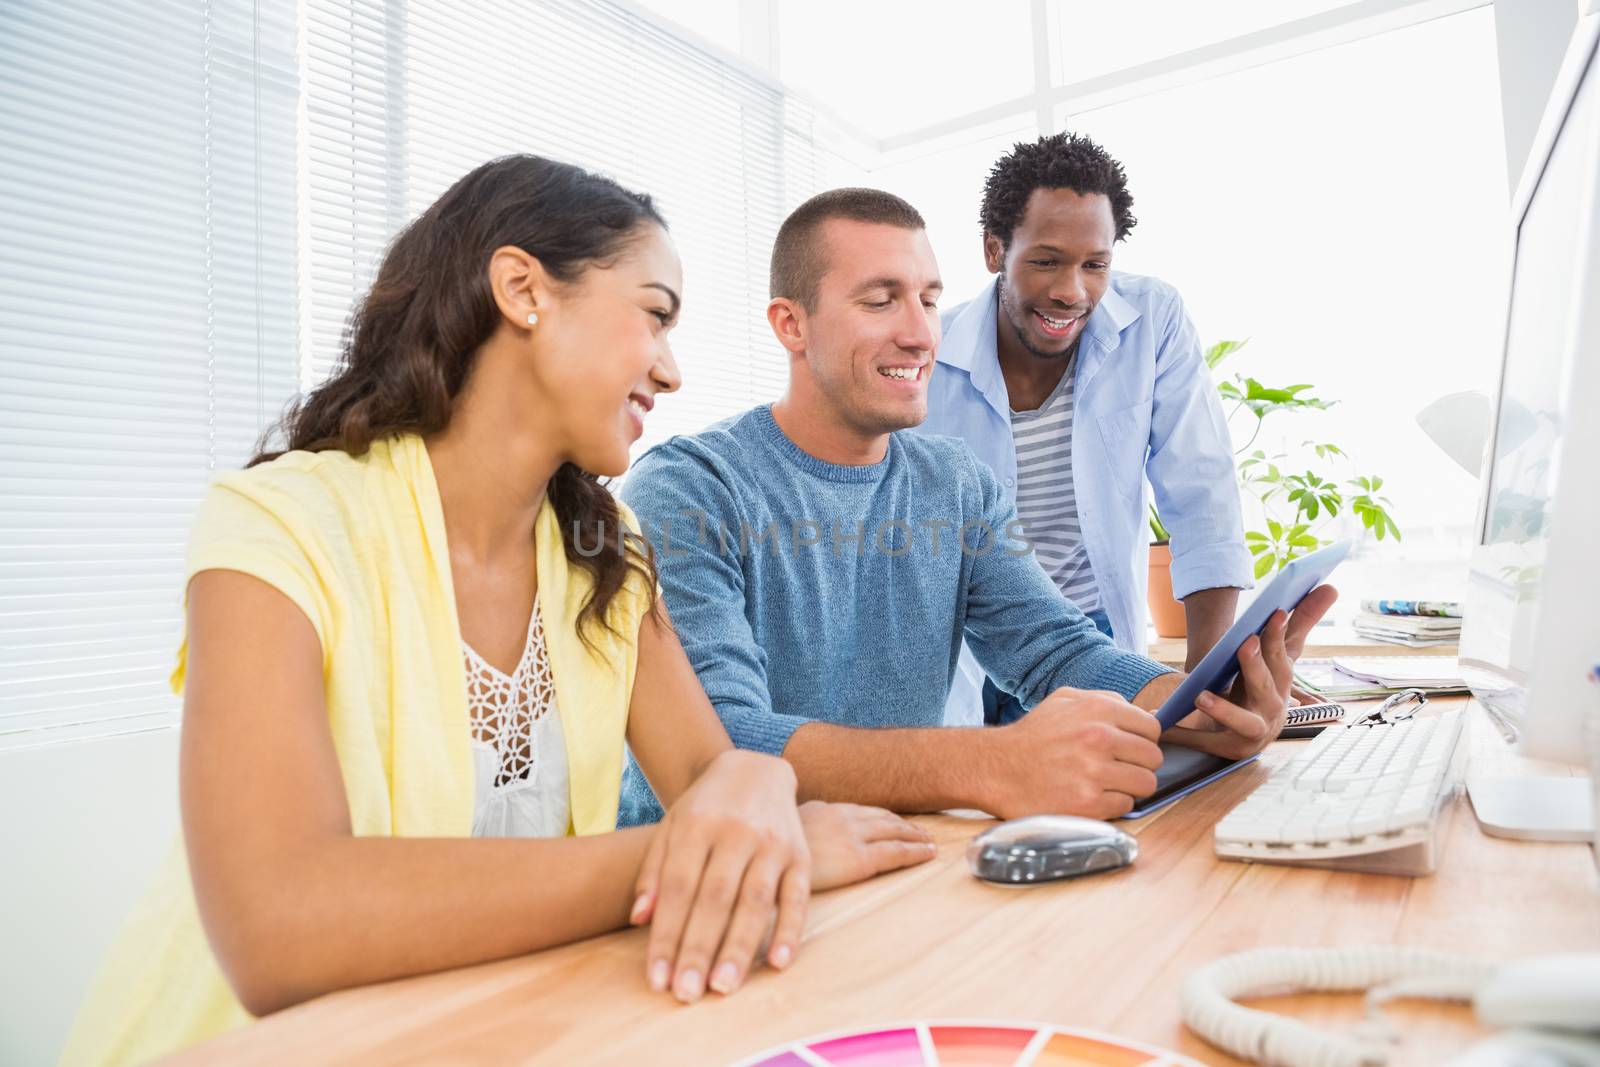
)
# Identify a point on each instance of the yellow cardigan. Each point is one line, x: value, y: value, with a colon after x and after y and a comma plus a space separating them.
x: 359, y: 545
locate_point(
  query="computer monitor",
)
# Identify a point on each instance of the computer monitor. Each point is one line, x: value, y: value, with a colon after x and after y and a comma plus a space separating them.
x: 1531, y: 635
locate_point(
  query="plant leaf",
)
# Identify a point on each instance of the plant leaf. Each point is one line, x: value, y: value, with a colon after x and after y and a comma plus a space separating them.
x: 1222, y: 350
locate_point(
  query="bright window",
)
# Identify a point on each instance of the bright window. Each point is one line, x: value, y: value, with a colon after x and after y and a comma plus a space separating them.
x: 1355, y: 230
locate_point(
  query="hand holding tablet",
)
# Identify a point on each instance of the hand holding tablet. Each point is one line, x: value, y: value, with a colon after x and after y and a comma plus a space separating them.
x: 1218, y: 669
x: 1057, y: 757
x: 1195, y: 757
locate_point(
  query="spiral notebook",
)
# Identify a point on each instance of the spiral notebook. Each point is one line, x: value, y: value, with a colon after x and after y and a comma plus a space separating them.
x: 1313, y: 713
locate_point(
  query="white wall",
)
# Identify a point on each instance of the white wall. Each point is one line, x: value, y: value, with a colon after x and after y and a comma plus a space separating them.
x: 85, y: 826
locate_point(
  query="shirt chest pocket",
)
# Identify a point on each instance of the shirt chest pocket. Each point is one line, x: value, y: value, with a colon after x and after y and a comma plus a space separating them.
x: 1125, y: 436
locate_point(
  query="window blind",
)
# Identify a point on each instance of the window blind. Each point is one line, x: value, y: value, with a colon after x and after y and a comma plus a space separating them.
x: 403, y: 101
x: 195, y: 193
x: 147, y: 329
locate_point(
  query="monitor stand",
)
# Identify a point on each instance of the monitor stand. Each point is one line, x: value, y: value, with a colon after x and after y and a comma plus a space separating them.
x: 1531, y: 808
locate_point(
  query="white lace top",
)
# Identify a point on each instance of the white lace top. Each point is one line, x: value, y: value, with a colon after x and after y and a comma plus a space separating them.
x: 519, y: 756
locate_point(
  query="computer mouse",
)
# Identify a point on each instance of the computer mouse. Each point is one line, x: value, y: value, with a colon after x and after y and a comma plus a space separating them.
x: 1047, y: 848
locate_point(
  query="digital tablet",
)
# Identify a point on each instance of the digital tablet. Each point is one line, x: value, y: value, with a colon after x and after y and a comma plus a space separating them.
x: 1220, y: 666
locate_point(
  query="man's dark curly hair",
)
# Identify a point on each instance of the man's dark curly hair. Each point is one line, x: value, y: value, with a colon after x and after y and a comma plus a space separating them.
x: 1059, y: 161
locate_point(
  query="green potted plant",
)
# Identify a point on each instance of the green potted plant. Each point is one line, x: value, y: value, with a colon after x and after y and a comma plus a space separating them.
x: 1301, y: 494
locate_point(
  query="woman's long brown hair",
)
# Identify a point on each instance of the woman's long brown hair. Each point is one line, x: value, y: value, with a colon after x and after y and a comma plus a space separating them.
x: 410, y: 344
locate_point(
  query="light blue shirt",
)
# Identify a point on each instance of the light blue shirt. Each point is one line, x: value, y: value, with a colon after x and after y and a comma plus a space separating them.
x: 1145, y: 408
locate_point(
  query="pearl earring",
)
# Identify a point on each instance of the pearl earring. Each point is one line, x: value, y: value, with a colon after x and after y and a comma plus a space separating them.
x: 533, y: 318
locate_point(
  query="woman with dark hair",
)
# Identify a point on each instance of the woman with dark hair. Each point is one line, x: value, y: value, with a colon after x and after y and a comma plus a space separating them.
x: 419, y: 637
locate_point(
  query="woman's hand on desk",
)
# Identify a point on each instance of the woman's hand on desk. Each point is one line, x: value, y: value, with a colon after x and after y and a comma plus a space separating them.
x: 729, y: 860
x: 851, y: 843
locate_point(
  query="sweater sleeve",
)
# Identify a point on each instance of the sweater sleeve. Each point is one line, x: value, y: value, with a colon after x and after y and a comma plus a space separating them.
x: 1026, y: 635
x: 685, y: 507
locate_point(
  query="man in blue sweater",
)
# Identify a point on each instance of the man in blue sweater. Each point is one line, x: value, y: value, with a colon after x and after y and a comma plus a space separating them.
x: 822, y: 566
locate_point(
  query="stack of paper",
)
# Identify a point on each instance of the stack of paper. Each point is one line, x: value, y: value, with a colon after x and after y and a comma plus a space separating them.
x: 1413, y: 623
x: 1449, y: 609
x: 1415, y: 631
x: 1369, y: 677
x: 1436, y: 674
x: 1319, y: 676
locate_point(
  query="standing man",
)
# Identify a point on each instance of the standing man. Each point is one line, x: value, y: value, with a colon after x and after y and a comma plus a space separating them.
x: 1074, y: 383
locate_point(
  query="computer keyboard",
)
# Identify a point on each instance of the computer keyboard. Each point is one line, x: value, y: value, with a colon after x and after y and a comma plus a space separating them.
x: 1361, y: 798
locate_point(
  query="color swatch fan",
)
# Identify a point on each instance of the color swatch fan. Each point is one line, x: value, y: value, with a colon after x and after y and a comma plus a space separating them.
x: 968, y: 1045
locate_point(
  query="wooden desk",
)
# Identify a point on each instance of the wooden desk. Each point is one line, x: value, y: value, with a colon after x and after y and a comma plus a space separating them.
x: 1107, y: 952
x: 1325, y: 642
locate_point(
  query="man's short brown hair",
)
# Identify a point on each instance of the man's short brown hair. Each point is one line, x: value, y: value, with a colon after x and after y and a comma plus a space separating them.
x: 799, y: 259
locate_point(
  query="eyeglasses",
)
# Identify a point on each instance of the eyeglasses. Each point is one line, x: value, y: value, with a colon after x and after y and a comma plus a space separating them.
x: 1397, y: 707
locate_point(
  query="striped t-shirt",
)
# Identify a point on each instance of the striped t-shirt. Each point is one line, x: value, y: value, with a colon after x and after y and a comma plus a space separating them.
x: 1046, y: 501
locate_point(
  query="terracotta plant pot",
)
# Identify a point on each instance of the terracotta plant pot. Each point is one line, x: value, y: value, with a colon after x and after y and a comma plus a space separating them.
x: 1165, y: 612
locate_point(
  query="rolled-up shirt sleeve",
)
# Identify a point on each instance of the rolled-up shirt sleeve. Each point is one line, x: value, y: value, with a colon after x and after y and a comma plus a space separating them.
x: 1190, y: 464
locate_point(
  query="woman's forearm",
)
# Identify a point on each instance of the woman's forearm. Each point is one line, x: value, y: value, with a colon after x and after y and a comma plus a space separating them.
x: 359, y: 910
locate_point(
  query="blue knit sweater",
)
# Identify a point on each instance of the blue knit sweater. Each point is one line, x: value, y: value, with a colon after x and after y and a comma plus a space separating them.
x: 807, y: 591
